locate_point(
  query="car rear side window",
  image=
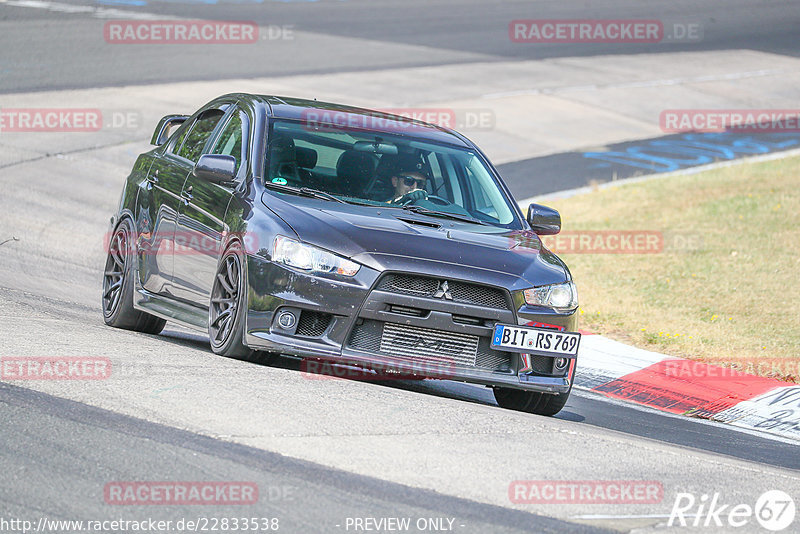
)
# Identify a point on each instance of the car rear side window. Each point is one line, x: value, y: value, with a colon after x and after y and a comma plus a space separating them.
x: 199, y: 133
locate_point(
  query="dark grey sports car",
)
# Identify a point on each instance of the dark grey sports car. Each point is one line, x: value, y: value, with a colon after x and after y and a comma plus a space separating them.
x: 334, y: 233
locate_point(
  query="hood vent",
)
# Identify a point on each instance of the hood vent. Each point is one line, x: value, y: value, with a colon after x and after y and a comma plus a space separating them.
x: 426, y: 224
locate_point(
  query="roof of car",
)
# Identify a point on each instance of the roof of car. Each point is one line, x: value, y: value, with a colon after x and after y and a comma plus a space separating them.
x: 326, y: 113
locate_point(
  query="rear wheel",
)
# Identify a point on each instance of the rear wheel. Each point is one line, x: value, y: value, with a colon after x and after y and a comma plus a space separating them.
x: 530, y: 401
x: 227, y: 307
x: 118, y: 310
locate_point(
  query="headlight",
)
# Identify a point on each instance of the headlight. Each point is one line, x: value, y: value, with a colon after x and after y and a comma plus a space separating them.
x: 562, y: 297
x: 309, y: 258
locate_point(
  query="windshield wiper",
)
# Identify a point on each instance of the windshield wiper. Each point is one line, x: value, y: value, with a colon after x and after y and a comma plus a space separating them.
x: 445, y: 214
x: 320, y: 194
x: 304, y: 191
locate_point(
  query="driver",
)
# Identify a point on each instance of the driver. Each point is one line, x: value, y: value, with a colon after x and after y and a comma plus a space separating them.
x: 408, y: 187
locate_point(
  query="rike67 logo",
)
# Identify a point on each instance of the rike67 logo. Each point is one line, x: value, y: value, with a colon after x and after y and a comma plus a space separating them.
x: 774, y: 510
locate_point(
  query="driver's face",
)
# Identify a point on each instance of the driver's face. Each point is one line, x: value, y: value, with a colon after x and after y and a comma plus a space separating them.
x: 405, y: 182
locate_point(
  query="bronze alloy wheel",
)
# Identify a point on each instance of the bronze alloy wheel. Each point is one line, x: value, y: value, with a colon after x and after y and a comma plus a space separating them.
x: 226, y: 309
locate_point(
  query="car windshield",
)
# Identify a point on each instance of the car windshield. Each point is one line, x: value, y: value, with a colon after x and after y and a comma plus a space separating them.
x: 383, y: 169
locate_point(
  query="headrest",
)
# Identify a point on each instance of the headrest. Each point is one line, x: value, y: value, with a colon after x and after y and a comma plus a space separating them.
x: 306, y: 157
x: 391, y: 164
x: 358, y: 168
x: 282, y: 148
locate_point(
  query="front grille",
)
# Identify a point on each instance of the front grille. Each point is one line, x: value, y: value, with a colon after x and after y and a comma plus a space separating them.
x: 312, y: 324
x: 462, y: 292
x: 428, y: 346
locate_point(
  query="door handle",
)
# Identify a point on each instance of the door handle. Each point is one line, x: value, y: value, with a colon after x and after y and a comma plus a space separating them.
x: 152, y: 179
x: 186, y: 195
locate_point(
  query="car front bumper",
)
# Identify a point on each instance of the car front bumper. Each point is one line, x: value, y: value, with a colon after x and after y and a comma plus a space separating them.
x: 348, y: 316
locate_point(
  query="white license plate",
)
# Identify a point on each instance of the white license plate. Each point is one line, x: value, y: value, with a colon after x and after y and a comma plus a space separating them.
x: 535, y: 340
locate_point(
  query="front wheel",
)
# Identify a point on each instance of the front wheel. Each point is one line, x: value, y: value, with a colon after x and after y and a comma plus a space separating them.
x: 530, y: 401
x: 227, y: 308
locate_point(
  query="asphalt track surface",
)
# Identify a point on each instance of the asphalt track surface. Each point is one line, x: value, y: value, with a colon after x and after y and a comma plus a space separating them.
x: 56, y: 454
x: 39, y: 45
x: 43, y: 456
x: 670, y: 153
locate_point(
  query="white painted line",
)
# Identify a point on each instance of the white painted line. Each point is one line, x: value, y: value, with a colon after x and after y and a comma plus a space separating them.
x: 642, y: 516
x: 97, y: 12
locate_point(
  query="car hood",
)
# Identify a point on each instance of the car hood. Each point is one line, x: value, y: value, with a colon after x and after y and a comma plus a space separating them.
x: 387, y: 238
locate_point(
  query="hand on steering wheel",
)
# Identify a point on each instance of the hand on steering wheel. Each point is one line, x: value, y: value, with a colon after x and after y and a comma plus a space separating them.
x: 411, y: 196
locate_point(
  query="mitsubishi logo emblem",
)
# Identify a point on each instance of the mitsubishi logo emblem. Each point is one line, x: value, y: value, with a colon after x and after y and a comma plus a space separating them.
x: 443, y: 291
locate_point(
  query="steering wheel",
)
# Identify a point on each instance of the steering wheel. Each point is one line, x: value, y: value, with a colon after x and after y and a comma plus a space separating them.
x: 439, y: 201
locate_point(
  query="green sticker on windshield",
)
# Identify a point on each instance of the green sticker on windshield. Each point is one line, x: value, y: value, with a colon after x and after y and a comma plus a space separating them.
x: 279, y: 180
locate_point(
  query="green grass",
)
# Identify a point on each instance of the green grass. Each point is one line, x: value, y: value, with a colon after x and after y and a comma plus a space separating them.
x: 733, y: 298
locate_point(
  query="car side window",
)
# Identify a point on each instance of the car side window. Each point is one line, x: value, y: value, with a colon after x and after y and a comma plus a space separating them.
x: 436, y: 183
x: 199, y: 133
x: 446, y: 165
x: 231, y: 141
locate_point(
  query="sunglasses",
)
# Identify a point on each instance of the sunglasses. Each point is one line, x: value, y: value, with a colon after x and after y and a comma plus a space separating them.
x: 410, y: 181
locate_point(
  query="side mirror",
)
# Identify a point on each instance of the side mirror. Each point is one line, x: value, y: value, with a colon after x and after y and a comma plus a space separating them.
x: 216, y: 168
x: 544, y: 220
x: 164, y: 128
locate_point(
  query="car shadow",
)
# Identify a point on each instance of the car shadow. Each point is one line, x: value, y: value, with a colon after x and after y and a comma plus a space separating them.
x: 448, y: 389
x: 185, y: 338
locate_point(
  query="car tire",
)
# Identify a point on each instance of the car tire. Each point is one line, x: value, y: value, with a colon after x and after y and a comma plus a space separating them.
x: 227, y: 307
x: 530, y: 401
x: 117, y: 298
